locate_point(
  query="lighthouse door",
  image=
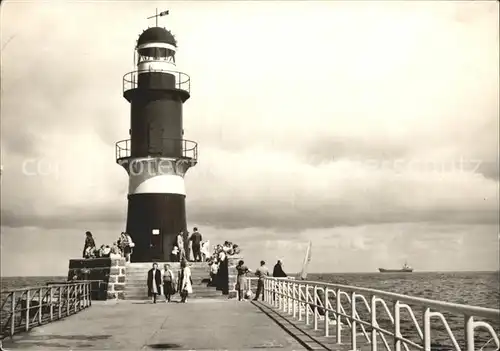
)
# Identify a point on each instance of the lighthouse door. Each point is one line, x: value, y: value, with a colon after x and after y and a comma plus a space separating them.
x: 155, y: 140
x: 156, y: 247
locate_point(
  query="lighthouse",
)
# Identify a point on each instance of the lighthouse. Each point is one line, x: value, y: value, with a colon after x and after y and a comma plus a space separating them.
x: 156, y: 156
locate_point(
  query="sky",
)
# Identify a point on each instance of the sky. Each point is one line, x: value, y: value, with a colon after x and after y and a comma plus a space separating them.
x: 369, y: 128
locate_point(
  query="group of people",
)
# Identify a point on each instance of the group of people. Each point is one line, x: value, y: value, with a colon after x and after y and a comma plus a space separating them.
x: 219, y: 265
x: 164, y: 282
x: 121, y: 248
x: 261, y: 273
x: 197, y: 249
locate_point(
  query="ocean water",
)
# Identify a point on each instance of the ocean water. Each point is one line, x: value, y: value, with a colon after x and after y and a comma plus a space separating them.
x: 7, y: 283
x: 470, y: 288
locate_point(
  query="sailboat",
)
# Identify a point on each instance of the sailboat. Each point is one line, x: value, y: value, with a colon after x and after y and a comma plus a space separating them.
x: 305, y: 264
x: 303, y: 276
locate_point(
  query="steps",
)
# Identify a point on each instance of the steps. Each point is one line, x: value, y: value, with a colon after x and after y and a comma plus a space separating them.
x: 136, y: 287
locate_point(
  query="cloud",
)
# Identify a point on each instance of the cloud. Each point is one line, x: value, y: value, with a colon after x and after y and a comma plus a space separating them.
x: 362, y: 115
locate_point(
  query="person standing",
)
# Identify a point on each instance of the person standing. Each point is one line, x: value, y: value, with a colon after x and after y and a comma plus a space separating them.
x: 126, y: 244
x: 180, y: 246
x: 196, y: 239
x: 205, y: 250
x: 278, y: 271
x: 174, y: 256
x: 241, y: 278
x: 261, y: 272
x: 185, y: 281
x: 214, y: 268
x: 89, y: 245
x: 154, y: 282
x: 168, y: 282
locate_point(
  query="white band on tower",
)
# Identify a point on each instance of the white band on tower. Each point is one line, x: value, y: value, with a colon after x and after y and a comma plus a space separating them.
x: 155, y: 175
x: 160, y: 184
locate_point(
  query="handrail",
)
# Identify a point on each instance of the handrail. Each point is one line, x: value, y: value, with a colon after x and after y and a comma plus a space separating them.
x: 182, y: 80
x: 327, y: 301
x: 25, y: 308
x: 123, y: 148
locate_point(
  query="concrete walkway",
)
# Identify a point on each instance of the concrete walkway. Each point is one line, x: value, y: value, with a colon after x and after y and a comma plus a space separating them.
x: 128, y: 325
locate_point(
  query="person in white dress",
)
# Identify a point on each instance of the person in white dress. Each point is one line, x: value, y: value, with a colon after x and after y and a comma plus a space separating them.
x: 185, y: 281
x: 180, y: 245
x: 205, y: 250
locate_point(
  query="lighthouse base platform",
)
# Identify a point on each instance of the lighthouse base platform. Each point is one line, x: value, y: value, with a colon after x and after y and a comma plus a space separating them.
x: 117, y: 280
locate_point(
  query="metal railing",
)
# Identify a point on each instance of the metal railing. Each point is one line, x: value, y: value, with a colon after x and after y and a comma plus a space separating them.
x: 189, y: 149
x: 24, y: 309
x: 182, y: 80
x: 370, y: 314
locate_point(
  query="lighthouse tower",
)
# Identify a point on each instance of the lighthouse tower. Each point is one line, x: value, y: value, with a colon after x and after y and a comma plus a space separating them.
x: 156, y: 157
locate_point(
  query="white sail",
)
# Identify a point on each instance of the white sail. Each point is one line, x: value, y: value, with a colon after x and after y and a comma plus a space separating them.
x: 307, y: 259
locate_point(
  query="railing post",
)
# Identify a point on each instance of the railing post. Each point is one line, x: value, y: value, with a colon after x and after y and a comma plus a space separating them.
x: 285, y: 297
x: 51, y: 301
x: 353, y: 321
x: 288, y: 298
x: 315, y: 309
x: 80, y: 297
x: 268, y: 297
x: 427, y: 330
x: 59, y: 302
x: 85, y: 295
x: 294, y: 299
x: 273, y: 292
x: 282, y: 294
x: 397, y: 326
x: 301, y: 305
x: 373, y: 314
x: 338, y: 334
x: 68, y: 298
x: 469, y: 333
x: 90, y: 294
x: 325, y: 309
x: 13, y: 316
x: 307, y: 304
x: 75, y: 297
x: 27, y: 310
x: 278, y: 294
x: 40, y: 304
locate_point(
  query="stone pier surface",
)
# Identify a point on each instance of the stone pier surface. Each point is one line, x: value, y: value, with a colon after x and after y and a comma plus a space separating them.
x: 202, y: 324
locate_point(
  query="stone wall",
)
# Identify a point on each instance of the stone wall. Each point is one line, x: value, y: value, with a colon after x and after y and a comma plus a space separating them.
x: 111, y: 271
x: 232, y: 262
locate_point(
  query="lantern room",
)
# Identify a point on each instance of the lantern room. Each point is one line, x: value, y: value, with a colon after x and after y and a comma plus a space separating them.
x: 155, y: 50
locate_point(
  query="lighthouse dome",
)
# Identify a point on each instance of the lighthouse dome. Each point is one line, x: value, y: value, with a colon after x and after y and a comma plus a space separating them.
x: 157, y: 35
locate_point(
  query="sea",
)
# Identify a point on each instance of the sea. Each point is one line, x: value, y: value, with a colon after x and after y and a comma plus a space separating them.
x: 470, y: 288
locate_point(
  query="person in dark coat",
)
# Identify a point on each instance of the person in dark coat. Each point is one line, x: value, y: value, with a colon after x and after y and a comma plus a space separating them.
x: 154, y: 282
x: 196, y: 239
x: 89, y: 245
x: 278, y: 271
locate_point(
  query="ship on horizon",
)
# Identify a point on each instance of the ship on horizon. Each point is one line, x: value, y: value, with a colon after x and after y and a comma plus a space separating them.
x: 405, y: 269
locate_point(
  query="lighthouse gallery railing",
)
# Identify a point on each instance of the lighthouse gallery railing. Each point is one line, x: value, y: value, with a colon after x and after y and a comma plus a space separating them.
x: 123, y: 148
x: 182, y: 80
x: 370, y: 314
x: 23, y: 309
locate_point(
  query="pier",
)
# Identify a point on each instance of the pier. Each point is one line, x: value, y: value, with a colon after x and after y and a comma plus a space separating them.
x: 295, y: 315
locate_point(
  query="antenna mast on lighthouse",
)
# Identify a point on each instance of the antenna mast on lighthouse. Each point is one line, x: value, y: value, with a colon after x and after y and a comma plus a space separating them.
x: 164, y: 13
